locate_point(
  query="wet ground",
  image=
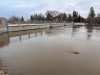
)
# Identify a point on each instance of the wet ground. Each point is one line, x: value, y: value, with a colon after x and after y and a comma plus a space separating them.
x: 55, y: 51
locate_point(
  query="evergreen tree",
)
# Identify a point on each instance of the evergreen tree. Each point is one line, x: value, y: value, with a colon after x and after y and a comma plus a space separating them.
x: 91, y: 16
x: 69, y: 17
x: 31, y: 18
x: 75, y: 16
x: 22, y: 19
x: 91, y: 13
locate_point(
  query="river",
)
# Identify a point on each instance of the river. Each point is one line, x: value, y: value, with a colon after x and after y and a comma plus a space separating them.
x: 56, y: 51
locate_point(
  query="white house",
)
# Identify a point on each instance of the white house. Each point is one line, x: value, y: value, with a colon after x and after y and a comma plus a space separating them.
x: 3, y: 25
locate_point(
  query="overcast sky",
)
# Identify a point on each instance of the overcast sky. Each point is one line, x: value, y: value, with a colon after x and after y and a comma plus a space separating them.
x: 27, y: 7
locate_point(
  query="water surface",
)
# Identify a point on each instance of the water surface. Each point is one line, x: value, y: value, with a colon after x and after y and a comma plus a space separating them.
x: 56, y: 51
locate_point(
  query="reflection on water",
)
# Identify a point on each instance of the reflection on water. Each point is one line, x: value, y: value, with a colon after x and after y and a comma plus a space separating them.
x: 55, y: 51
x: 89, y: 31
x: 4, y: 40
x: 10, y: 37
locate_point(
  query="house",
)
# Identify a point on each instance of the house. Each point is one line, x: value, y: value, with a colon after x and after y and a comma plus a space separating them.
x: 3, y: 25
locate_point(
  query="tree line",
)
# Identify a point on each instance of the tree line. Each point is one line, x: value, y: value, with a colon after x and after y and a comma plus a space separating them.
x: 93, y: 18
x: 56, y: 16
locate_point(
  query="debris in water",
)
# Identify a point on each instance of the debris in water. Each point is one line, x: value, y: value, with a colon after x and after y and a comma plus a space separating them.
x: 74, y: 52
x: 51, y: 26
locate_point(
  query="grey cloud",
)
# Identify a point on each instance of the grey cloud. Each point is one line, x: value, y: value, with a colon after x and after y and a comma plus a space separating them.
x: 28, y: 7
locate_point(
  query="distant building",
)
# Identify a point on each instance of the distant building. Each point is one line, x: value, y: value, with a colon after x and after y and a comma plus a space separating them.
x: 3, y: 25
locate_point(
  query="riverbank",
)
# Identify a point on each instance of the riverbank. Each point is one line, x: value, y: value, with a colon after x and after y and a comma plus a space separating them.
x: 21, y: 27
x: 3, y: 69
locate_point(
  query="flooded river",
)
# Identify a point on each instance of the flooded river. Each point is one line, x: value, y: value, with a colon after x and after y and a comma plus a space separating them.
x: 56, y: 51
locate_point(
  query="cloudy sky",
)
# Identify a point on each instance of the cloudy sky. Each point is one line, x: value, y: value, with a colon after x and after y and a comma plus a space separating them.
x: 27, y: 7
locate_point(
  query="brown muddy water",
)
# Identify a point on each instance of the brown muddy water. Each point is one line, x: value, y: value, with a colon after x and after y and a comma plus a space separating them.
x: 56, y: 51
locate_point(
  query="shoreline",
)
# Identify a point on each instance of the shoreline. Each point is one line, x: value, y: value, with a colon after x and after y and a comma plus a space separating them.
x: 3, y: 69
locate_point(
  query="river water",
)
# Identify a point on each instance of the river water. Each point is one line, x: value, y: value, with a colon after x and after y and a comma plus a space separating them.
x: 56, y: 51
